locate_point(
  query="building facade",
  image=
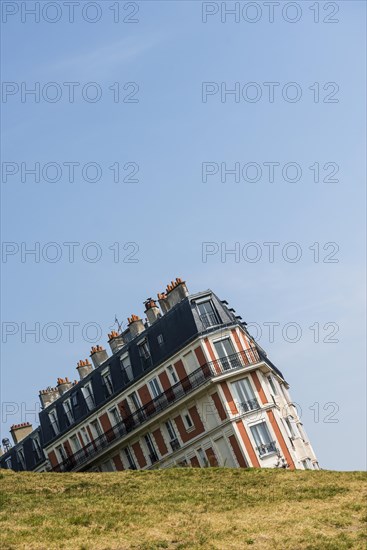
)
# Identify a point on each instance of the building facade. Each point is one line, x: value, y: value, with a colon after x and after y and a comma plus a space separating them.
x: 187, y: 387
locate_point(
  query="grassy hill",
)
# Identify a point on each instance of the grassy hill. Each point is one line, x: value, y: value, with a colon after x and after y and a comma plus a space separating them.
x: 184, y: 509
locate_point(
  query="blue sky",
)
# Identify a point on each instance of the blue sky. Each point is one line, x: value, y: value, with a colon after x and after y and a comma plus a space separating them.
x: 170, y: 211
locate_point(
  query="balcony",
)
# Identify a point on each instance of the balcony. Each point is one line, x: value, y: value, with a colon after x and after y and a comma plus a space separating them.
x: 267, y: 448
x: 193, y: 381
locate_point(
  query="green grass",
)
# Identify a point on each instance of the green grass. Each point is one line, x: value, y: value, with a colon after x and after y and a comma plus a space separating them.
x: 185, y: 508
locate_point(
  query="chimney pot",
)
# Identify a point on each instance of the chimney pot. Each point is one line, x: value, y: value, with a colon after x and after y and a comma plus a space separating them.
x: 136, y: 325
x: 99, y: 355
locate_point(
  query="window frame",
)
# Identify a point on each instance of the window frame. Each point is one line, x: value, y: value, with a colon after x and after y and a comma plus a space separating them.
x: 98, y: 429
x: 227, y: 361
x: 107, y: 383
x: 173, y: 374
x: 152, y: 451
x: 244, y: 388
x: 130, y: 458
x: 127, y: 371
x: 258, y: 439
x: 90, y: 397
x: 206, y: 315
x: 77, y: 447
x: 54, y: 421
x: 21, y: 458
x: 85, y: 436
x: 271, y: 381
x: 188, y: 425
x: 36, y: 448
x: 61, y: 454
x: 154, y: 387
x: 68, y: 411
x: 115, y: 415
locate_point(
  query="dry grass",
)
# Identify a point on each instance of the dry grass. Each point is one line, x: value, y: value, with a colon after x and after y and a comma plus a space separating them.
x: 186, y: 508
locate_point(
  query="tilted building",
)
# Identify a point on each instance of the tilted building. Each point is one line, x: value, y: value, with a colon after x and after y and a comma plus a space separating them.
x: 189, y: 386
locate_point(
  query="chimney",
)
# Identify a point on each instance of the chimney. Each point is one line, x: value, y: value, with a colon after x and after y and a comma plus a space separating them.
x: 84, y: 368
x: 163, y: 302
x: 48, y: 396
x: 116, y: 341
x: 136, y: 325
x: 176, y: 292
x: 63, y: 385
x: 20, y: 431
x: 151, y: 310
x: 99, y: 355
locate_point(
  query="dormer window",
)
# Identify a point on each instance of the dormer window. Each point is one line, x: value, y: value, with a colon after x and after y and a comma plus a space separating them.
x: 88, y: 396
x: 68, y: 412
x: 107, y: 383
x: 21, y: 458
x: 144, y: 353
x: 54, y: 422
x: 37, y: 449
x: 207, y: 313
x: 126, y: 368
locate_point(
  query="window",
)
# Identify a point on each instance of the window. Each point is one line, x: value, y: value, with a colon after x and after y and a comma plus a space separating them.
x: 175, y: 444
x: 8, y: 463
x: 207, y: 313
x: 115, y: 416
x: 292, y: 428
x: 68, y: 412
x: 54, y: 422
x: 134, y: 401
x: 272, y: 384
x: 37, y: 450
x: 61, y: 452
x: 245, y: 395
x: 154, y: 387
x: 129, y: 458
x: 76, y: 443
x: 262, y: 438
x: 160, y: 339
x: 126, y: 368
x: 227, y: 354
x: 107, y: 383
x: 202, y: 457
x: 144, y: 353
x: 151, y: 450
x: 88, y: 396
x: 188, y: 421
x: 172, y: 374
x: 21, y: 458
x: 74, y: 400
x: 97, y: 428
x: 85, y: 435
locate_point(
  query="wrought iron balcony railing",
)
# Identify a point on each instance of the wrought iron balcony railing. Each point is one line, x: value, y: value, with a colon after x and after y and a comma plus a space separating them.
x: 251, y: 405
x: 209, y: 319
x: 193, y: 381
x: 175, y: 444
x: 267, y: 448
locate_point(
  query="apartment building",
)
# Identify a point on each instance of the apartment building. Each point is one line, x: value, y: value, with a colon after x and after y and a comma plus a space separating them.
x: 188, y: 386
